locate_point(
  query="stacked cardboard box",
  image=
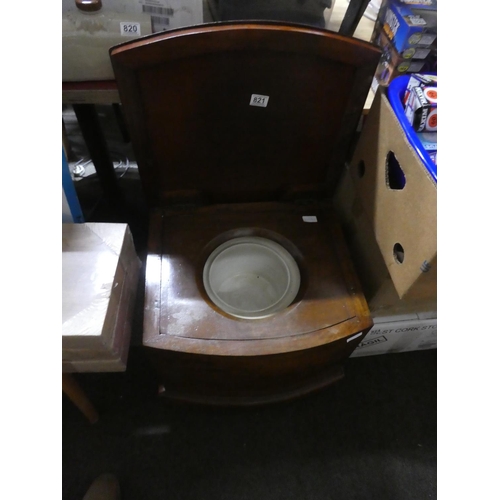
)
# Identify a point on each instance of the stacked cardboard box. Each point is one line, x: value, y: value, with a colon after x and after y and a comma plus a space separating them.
x: 399, y: 333
x: 406, y: 31
x: 391, y: 231
x: 400, y: 216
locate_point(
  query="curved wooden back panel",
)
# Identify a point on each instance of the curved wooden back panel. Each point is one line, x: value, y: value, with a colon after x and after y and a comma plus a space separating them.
x: 200, y: 132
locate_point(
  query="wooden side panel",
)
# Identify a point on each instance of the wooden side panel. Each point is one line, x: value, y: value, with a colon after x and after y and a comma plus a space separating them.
x: 251, y: 380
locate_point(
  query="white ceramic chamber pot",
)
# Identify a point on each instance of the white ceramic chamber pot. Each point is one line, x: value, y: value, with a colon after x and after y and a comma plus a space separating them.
x: 251, y: 277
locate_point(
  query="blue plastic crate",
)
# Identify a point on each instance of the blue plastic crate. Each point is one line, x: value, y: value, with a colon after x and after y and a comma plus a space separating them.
x: 395, y: 94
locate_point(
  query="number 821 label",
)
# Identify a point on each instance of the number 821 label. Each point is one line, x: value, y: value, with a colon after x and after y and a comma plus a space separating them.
x: 130, y: 29
x: 259, y: 100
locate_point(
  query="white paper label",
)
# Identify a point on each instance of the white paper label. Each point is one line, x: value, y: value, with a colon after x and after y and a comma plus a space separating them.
x: 309, y: 218
x: 259, y: 100
x: 130, y: 29
x: 354, y: 336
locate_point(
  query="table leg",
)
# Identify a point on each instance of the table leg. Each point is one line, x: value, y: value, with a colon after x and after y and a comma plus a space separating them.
x: 75, y: 393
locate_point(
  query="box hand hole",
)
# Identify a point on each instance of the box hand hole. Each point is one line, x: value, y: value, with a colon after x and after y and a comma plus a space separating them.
x: 399, y: 253
x: 395, y: 176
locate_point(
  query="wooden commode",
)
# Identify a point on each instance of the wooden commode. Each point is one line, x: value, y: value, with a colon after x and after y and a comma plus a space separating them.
x: 241, y: 130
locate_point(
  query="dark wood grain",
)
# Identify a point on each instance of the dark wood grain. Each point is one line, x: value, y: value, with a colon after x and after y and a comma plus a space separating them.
x: 204, y: 355
x: 249, y: 381
x: 193, y: 86
x: 188, y: 238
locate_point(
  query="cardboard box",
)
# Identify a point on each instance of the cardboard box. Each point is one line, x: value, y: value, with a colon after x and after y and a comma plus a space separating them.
x: 421, y: 109
x: 420, y: 80
x: 398, y: 198
x: 395, y: 334
x: 378, y: 287
x: 100, y: 272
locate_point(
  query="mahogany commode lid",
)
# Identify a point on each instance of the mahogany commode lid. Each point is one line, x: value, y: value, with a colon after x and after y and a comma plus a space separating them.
x: 242, y: 112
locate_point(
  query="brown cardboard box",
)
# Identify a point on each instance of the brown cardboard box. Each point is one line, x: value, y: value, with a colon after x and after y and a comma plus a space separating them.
x: 393, y: 334
x: 399, y: 198
x: 100, y: 272
x: 378, y: 287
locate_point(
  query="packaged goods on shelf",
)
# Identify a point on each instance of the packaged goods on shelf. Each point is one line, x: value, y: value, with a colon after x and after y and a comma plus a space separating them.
x: 405, y: 50
x: 410, y: 23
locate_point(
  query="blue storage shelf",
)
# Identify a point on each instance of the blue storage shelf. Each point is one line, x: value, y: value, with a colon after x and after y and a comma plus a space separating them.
x: 70, y: 193
x: 395, y: 94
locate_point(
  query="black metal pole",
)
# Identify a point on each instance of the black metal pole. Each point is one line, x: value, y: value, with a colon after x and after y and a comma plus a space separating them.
x: 354, y: 12
x: 93, y: 136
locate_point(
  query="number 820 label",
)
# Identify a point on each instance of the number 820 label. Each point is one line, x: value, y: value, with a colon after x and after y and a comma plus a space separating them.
x: 130, y: 29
